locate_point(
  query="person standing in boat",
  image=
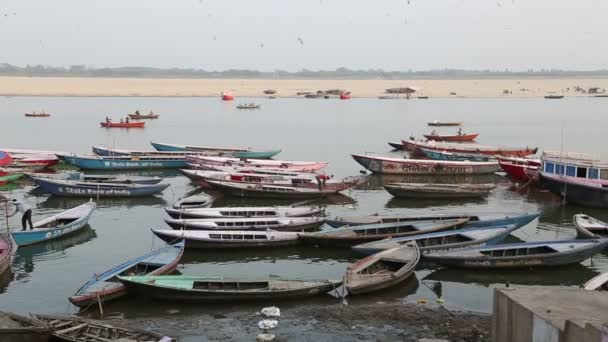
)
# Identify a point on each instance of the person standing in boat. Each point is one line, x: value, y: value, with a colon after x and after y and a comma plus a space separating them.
x: 127, y: 120
x: 460, y: 131
x: 24, y: 208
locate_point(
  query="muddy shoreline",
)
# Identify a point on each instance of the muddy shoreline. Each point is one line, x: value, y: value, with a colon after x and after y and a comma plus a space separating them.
x: 354, y: 322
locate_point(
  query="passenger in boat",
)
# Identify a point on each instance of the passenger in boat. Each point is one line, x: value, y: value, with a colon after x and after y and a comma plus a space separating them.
x: 460, y: 131
x: 137, y: 112
x: 122, y: 121
x: 127, y: 120
x: 433, y: 132
x: 108, y: 120
x: 24, y: 208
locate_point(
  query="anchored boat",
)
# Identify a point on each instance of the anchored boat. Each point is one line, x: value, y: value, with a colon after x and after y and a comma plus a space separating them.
x: 438, y: 191
x: 124, y: 162
x: 59, y: 187
x: 242, y: 212
x: 413, y: 145
x: 385, y: 165
x: 286, y: 224
x: 237, y: 152
x: 588, y: 227
x: 229, y: 238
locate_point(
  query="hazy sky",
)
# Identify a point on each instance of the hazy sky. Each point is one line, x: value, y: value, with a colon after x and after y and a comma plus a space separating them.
x: 263, y: 34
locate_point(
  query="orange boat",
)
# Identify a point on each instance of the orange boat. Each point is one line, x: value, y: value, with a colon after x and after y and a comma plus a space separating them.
x: 458, y: 137
x: 345, y: 96
x: 123, y: 124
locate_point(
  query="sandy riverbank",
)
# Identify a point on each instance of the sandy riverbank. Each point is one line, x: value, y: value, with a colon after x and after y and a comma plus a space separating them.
x: 61, y: 86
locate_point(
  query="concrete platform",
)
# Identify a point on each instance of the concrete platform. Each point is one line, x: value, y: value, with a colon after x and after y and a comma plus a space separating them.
x: 548, y: 314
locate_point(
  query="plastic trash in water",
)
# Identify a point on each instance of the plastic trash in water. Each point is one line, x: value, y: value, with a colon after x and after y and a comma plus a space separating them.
x: 271, y: 311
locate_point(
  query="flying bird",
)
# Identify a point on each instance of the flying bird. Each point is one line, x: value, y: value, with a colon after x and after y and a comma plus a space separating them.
x: 300, y: 40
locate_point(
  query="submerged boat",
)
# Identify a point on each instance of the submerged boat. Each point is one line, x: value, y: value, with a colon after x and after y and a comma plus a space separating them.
x: 240, y: 212
x: 554, y: 97
x: 59, y: 187
x: 17, y: 328
x: 123, y: 162
x: 192, y: 202
x: 7, y: 248
x: 439, y: 191
x: 578, y: 177
x: 229, y: 238
x: 300, y: 166
x: 442, y: 155
x: 183, y: 288
x: 138, y: 116
x: 527, y: 254
x: 588, y: 227
x: 349, y: 236
x: 289, y: 224
x: 338, y: 222
x: 82, y: 177
x: 57, y: 226
x: 444, y: 123
x: 248, y: 106
x: 78, y: 329
x: 382, y: 270
x: 260, y: 190
x: 105, y: 286
x: 455, y: 137
x: 386, y: 165
x: 597, y: 283
x: 37, y: 115
x: 474, y: 234
x: 413, y: 145
x: 123, y: 124
x: 237, y: 152
x: 110, y: 152
x: 516, y: 167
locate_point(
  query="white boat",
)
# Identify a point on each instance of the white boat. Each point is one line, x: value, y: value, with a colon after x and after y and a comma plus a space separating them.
x: 588, y: 227
x: 232, y: 212
x: 295, y: 224
x: 194, y: 201
x: 228, y: 238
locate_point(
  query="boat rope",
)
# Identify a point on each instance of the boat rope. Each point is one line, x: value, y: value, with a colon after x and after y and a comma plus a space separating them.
x: 524, y: 186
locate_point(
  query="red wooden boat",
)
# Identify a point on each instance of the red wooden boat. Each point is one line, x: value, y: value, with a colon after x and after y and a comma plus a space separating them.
x: 413, y: 145
x: 227, y: 96
x: 345, y: 96
x: 516, y: 167
x: 123, y: 124
x: 458, y: 137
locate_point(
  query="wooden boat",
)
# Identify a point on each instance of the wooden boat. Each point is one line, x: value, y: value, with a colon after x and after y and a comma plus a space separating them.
x: 444, y: 123
x: 516, y: 167
x: 300, y: 166
x: 349, y: 236
x: 474, y: 234
x: 442, y: 155
x: 229, y: 238
x: 10, y: 177
x: 298, y: 179
x: 588, y: 227
x: 382, y: 270
x: 143, y: 116
x: 7, y: 248
x: 239, y: 189
x: 396, y: 145
x: 578, y: 177
x: 124, y: 162
x: 110, y: 152
x: 45, y: 160
x: 17, y: 328
x: 345, y: 96
x: 183, y: 288
x: 386, y: 165
x: 227, y: 96
x: 527, y: 254
x: 82, y: 177
x: 57, y: 226
x: 78, y: 329
x: 248, y: 106
x: 456, y: 137
x: 105, y: 286
x: 234, y: 212
x: 123, y: 124
x: 439, y: 191
x: 237, y: 152
x: 193, y: 202
x: 194, y: 173
x: 285, y: 224
x: 338, y: 222
x: 577, y: 191
x: 554, y: 97
x: 37, y: 115
x: 597, y: 283
x: 5, y: 158
x: 413, y: 145
x: 59, y: 187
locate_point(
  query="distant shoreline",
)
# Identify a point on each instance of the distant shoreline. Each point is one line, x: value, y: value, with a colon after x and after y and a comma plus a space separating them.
x: 525, y: 87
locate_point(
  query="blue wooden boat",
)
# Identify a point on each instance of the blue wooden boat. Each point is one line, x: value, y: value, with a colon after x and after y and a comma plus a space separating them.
x: 527, y: 254
x: 105, y: 286
x: 224, y: 151
x: 124, y: 162
x: 454, y: 156
x: 55, y: 227
x: 59, y: 187
x: 473, y: 234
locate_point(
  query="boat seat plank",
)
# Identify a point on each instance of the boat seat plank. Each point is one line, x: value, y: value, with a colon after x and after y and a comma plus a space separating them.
x: 76, y: 327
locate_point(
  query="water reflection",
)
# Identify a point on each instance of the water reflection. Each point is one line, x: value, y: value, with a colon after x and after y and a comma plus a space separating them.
x: 5, y: 280
x: 303, y: 253
x: 26, y: 257
x: 396, y: 202
x: 377, y: 182
x: 59, y: 202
